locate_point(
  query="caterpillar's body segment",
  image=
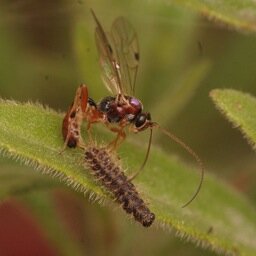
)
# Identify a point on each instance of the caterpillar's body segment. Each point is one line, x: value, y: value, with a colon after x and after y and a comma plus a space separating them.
x: 103, y: 167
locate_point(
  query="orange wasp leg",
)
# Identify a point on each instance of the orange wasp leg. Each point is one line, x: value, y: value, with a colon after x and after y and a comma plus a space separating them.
x: 121, y: 135
x: 92, y: 115
x: 89, y: 131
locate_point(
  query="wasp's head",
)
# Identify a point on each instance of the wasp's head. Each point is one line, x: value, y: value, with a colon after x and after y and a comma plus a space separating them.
x: 142, y: 121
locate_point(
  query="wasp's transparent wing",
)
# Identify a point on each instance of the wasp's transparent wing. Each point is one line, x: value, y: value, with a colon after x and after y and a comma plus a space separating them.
x: 108, y: 62
x: 126, y: 48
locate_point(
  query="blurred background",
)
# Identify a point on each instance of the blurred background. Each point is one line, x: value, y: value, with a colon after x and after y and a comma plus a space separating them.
x: 47, y: 49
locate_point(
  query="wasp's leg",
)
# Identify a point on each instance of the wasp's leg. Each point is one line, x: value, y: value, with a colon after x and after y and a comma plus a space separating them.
x: 89, y: 131
x: 119, y: 138
x: 65, y: 144
x: 81, y: 144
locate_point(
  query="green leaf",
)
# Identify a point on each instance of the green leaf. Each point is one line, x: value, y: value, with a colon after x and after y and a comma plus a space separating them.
x: 237, y: 14
x: 238, y: 108
x: 219, y: 218
x: 15, y: 180
x: 180, y: 93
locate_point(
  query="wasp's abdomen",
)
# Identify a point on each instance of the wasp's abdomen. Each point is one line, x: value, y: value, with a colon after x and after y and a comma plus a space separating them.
x: 69, y: 125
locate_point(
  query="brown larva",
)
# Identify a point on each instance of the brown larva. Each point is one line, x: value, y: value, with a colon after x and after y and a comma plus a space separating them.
x: 103, y: 167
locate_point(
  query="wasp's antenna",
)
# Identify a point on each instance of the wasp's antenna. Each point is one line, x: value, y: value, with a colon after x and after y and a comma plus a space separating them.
x: 146, y: 157
x: 191, y: 152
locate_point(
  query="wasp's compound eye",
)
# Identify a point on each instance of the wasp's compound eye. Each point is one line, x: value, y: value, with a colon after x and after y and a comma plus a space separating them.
x: 140, y: 120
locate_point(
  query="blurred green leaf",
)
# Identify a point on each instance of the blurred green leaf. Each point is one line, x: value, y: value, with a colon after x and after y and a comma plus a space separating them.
x: 15, y: 180
x: 180, y: 94
x: 238, y: 108
x: 238, y: 14
x: 219, y: 219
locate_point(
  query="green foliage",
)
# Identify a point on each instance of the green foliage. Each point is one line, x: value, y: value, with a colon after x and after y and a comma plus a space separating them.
x: 181, y: 94
x: 32, y: 134
x: 238, y: 14
x: 47, y: 49
x: 239, y: 109
x: 16, y: 181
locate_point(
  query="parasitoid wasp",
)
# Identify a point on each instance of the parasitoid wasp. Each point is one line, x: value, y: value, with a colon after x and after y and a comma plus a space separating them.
x: 119, y: 60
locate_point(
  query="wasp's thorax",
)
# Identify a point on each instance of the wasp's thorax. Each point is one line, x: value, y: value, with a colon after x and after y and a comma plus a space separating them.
x: 129, y: 110
x: 116, y: 110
